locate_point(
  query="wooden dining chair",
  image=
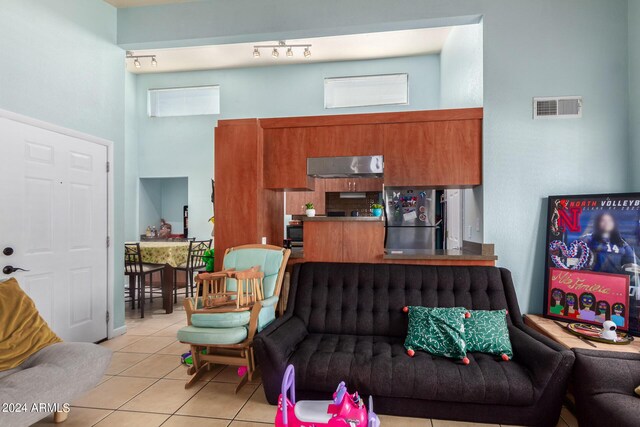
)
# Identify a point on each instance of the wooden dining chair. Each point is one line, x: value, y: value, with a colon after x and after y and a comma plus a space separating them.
x: 134, y: 267
x: 194, y: 265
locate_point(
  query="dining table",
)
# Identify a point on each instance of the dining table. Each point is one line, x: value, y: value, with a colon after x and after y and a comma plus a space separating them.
x: 170, y: 255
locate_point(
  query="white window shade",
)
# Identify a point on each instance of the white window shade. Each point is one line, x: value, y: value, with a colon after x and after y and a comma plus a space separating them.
x: 364, y: 91
x: 186, y: 101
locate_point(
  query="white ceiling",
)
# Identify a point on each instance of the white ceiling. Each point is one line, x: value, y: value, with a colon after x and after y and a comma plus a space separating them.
x: 137, y: 3
x: 324, y: 49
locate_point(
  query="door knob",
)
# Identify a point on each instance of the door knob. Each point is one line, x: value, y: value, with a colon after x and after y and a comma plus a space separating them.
x: 7, y: 251
x: 8, y: 269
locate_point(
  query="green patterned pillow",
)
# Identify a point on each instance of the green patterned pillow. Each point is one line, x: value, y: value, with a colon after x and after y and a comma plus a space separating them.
x: 438, y: 330
x: 487, y: 332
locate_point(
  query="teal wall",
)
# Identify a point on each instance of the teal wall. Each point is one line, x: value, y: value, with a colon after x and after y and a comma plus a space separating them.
x: 60, y: 63
x: 183, y: 146
x: 531, y: 48
x: 634, y: 93
x: 162, y: 198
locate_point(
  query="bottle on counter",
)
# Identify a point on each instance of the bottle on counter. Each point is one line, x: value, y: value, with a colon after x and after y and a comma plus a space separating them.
x: 154, y: 232
x: 148, y: 232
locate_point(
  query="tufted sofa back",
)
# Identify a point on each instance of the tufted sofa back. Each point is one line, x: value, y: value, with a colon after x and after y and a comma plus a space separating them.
x: 367, y: 299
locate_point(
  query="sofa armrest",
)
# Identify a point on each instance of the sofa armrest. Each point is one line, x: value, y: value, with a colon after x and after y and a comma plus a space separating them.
x: 549, y: 364
x: 274, y: 346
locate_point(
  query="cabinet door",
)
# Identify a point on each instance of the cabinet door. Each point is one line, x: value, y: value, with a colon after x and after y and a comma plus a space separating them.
x: 362, y: 241
x: 352, y: 140
x: 338, y: 185
x: 285, y: 159
x: 367, y: 184
x: 297, y: 199
x: 438, y: 153
x: 323, y: 241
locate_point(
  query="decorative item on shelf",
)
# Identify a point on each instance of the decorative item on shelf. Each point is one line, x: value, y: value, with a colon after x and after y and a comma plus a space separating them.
x: 376, y: 209
x: 310, y: 210
x: 609, y: 331
x: 596, y: 333
x: 208, y: 258
x: 165, y: 229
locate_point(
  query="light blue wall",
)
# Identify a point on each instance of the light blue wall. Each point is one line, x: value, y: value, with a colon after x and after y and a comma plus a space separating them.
x: 131, y: 176
x: 634, y: 93
x: 175, y: 195
x: 183, y: 146
x: 150, y: 205
x: 531, y: 48
x: 162, y: 198
x: 461, y: 68
x: 60, y: 63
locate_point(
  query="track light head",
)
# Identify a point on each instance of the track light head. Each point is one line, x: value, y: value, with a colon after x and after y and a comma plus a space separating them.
x: 275, y: 53
x: 289, y: 52
x: 307, y: 52
x: 256, y: 52
x: 154, y: 62
x: 136, y: 62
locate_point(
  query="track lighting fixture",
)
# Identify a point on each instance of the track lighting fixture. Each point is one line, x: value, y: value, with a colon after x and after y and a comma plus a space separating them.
x: 136, y: 59
x: 275, y: 53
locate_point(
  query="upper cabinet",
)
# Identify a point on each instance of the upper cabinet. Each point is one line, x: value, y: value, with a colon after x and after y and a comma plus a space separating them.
x: 285, y: 159
x: 349, y: 140
x: 445, y: 153
x: 344, y: 185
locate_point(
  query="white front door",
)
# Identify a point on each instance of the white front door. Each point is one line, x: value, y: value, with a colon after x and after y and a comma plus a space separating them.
x: 454, y: 218
x: 53, y: 216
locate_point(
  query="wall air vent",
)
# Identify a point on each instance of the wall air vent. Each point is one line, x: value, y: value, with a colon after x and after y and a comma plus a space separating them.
x: 561, y: 107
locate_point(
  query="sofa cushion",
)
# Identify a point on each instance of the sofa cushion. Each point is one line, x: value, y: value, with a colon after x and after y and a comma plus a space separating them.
x: 487, y: 332
x: 379, y: 366
x: 205, y: 336
x: 439, y: 331
x: 367, y: 299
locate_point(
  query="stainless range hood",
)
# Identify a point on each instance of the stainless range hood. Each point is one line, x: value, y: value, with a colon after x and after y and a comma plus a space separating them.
x: 346, y: 167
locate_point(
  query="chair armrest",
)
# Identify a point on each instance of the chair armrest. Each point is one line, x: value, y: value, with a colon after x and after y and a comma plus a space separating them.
x: 549, y: 364
x: 274, y: 347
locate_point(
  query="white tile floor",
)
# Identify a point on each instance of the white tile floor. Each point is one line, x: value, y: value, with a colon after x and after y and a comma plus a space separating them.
x: 144, y: 387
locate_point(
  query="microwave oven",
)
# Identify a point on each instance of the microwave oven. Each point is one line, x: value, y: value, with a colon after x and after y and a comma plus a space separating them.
x: 294, y: 233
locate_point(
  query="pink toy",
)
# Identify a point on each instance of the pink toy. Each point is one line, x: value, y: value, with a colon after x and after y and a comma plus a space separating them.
x: 345, y: 410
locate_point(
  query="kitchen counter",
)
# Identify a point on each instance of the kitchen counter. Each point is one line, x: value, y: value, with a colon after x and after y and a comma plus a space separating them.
x: 342, y: 219
x: 440, y: 254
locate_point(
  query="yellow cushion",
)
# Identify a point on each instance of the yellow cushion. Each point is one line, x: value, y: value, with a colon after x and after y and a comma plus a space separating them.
x: 22, y: 331
x: 638, y: 390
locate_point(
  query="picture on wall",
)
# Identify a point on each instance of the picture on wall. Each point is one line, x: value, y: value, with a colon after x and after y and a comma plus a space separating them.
x: 592, y: 265
x: 588, y: 297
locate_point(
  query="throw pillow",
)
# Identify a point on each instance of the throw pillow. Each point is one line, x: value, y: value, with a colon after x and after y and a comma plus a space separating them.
x: 487, y: 332
x: 22, y: 331
x: 638, y: 390
x: 438, y: 330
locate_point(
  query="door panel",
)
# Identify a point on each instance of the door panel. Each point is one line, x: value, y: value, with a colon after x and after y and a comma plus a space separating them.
x: 322, y: 241
x: 57, y: 225
x: 363, y: 241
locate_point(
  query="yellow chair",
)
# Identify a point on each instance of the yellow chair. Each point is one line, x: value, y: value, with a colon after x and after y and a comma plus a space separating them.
x: 231, y: 306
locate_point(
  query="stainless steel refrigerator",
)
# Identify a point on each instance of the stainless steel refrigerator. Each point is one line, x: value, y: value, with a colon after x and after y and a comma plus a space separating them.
x: 410, y: 219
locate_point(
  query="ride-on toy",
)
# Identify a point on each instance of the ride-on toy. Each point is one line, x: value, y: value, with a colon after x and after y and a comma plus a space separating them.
x: 345, y: 410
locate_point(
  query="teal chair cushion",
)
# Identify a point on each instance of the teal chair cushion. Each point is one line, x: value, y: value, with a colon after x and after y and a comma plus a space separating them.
x: 267, y: 312
x: 211, y: 336
x: 269, y: 261
x: 221, y: 320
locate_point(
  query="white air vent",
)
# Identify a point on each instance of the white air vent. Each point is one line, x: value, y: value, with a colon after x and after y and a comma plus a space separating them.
x: 562, y: 107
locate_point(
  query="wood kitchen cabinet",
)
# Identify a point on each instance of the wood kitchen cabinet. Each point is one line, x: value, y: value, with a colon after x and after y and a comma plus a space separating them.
x: 322, y: 241
x: 343, y: 185
x: 362, y: 241
x: 445, y: 153
x: 353, y: 140
x: 297, y: 199
x: 343, y: 241
x: 285, y: 159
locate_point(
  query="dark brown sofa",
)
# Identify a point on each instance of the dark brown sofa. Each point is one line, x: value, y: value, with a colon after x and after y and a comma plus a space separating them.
x: 604, y: 383
x: 345, y: 322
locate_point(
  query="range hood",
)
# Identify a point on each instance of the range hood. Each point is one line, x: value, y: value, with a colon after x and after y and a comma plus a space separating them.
x: 345, y: 167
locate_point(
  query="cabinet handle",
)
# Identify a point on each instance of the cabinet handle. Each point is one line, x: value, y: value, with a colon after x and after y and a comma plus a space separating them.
x: 349, y: 185
x: 354, y: 186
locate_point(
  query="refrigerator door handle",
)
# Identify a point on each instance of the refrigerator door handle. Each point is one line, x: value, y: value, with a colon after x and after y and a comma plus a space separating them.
x: 384, y: 214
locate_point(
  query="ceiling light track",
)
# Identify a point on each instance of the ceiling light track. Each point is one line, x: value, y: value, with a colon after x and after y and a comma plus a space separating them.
x: 136, y: 59
x: 275, y: 52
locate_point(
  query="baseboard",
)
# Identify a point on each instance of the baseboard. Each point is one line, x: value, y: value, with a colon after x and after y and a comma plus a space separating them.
x: 119, y: 331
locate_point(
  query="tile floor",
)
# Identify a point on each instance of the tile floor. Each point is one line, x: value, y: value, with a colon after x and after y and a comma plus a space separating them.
x: 144, y: 387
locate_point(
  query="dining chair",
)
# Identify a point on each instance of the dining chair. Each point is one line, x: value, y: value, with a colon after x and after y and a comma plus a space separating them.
x: 193, y: 265
x: 133, y: 266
